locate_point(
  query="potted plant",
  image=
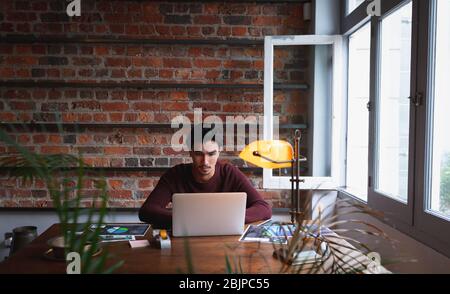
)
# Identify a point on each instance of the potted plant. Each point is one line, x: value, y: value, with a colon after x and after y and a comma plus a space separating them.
x: 64, y: 176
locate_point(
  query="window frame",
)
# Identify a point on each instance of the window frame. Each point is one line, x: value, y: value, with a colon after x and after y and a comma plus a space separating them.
x: 346, y: 189
x: 422, y: 226
x: 318, y: 183
x: 427, y: 222
x: 395, y: 209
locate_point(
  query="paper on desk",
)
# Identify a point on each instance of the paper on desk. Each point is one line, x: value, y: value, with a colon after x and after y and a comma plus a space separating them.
x: 117, y: 238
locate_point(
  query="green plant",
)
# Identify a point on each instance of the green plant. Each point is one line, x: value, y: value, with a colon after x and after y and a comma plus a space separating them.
x: 331, y: 237
x: 340, y: 254
x: 445, y: 185
x: 64, y: 176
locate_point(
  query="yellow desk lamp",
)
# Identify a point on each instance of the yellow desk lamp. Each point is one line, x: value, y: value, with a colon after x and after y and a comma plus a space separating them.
x: 275, y: 154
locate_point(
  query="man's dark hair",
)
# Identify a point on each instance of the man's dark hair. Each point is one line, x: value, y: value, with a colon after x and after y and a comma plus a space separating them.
x: 201, y: 131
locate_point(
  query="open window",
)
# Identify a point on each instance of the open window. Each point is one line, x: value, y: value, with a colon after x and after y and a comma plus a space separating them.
x: 305, y: 73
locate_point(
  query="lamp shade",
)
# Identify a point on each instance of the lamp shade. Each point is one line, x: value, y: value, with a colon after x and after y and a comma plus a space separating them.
x: 271, y: 154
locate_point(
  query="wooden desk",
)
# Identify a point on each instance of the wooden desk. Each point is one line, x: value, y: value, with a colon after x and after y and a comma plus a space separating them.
x: 208, y: 256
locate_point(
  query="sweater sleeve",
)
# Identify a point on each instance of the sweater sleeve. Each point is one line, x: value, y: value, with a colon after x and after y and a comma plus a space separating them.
x: 257, y: 208
x: 154, y: 209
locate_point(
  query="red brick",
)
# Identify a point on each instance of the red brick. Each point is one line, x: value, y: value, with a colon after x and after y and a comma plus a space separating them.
x: 195, y: 51
x: 26, y: 60
x: 23, y: 49
x: 207, y: 19
x: 179, y: 96
x: 224, y: 31
x: 116, y: 117
x: 39, y: 6
x: 101, y: 50
x: 202, y: 63
x: 100, y: 117
x: 162, y: 30
x: 23, y: 139
x: 6, y: 49
x: 100, y: 162
x: 165, y: 74
x: 117, y: 28
x: 122, y: 62
x: 193, y: 31
x: 20, y: 193
x: 182, y: 74
x: 170, y: 151
x: 115, y: 184
x: 54, y: 149
x: 122, y: 194
x: 101, y: 28
x: 134, y: 73
x: 178, y: 31
x: 147, y: 151
x: 118, y: 73
x: 212, y: 74
x: 55, y: 139
x: 207, y: 106
x: 115, y: 106
x: 84, y: 117
x: 258, y: 64
x: 239, y: 31
x: 147, y: 61
x: 237, y: 107
x: 39, y: 138
x: 132, y: 30
x: 143, y: 184
x: 147, y: 30
x: 266, y: 21
x: 175, y: 106
x: 237, y: 64
x: 7, y: 72
x: 144, y: 106
x: 117, y: 150
x: 176, y: 63
x: 19, y: 105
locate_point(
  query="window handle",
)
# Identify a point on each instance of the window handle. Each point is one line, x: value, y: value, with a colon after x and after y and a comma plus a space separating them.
x: 416, y: 99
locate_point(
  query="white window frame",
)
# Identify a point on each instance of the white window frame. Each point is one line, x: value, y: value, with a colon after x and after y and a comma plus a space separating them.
x: 337, y: 153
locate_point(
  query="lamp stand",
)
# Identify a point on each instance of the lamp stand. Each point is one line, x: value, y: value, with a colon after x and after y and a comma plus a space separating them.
x: 295, y: 179
x: 295, y: 210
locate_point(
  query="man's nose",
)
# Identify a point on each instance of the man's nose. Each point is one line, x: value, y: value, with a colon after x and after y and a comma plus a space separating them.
x: 205, y: 159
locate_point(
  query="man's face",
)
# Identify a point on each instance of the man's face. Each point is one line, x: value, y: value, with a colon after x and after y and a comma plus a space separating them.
x: 204, y: 161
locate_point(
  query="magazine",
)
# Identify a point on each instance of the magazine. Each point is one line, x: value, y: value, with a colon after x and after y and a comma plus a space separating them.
x: 122, y: 229
x: 276, y: 232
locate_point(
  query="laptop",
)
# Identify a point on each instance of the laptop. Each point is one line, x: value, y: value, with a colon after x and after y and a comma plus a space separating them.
x: 208, y: 214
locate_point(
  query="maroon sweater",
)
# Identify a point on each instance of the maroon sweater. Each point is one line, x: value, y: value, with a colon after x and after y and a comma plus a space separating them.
x: 179, y: 179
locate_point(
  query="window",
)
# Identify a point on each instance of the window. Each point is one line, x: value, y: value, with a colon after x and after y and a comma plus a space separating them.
x: 352, y: 5
x: 409, y: 142
x: 357, y: 112
x: 393, y: 109
x: 439, y: 151
x: 322, y: 98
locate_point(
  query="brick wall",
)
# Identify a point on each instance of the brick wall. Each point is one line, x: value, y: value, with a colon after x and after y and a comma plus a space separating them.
x: 72, y: 63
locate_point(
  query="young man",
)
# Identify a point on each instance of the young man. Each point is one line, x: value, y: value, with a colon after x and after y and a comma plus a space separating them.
x: 204, y: 175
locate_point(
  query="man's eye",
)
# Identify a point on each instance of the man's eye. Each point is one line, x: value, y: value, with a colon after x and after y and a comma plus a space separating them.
x: 198, y: 153
x: 212, y: 153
